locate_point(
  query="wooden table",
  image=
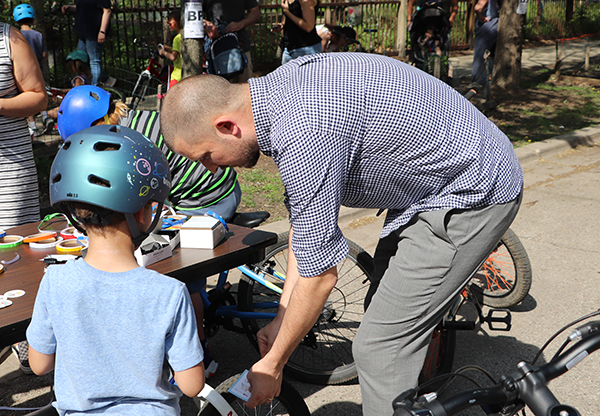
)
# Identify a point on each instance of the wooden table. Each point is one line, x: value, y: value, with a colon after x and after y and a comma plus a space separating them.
x: 242, y: 245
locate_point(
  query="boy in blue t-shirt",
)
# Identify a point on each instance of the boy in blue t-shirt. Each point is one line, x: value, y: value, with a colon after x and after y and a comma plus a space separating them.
x: 113, y: 331
x: 24, y: 15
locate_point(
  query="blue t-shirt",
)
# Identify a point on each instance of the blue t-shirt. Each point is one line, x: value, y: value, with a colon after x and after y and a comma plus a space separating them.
x: 36, y: 41
x: 114, y: 335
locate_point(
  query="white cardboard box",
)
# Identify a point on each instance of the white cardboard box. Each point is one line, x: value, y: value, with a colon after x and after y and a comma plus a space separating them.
x: 202, y: 232
x: 168, y: 240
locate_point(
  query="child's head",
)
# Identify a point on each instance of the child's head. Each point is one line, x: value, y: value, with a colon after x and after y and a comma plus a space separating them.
x: 174, y: 20
x: 106, y: 174
x: 342, y: 37
x: 87, y: 106
x: 24, y: 14
x: 78, y: 63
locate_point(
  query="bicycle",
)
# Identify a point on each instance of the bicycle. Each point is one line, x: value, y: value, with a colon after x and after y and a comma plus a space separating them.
x: 154, y: 72
x: 527, y: 386
x: 325, y: 354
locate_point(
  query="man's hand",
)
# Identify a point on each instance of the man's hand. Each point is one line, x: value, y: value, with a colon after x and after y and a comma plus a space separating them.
x: 265, y: 383
x: 266, y: 336
x: 211, y: 30
x: 234, y: 27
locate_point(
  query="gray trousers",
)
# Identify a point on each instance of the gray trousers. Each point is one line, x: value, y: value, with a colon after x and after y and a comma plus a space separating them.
x: 419, y: 269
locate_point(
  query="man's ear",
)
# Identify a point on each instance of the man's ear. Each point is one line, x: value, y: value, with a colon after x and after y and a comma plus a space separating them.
x: 227, y: 126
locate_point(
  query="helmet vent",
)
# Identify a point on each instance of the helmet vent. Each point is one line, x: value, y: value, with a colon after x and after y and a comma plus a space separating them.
x: 104, y: 146
x: 66, y: 145
x: 57, y: 178
x: 95, y: 180
x: 94, y: 96
x: 115, y: 129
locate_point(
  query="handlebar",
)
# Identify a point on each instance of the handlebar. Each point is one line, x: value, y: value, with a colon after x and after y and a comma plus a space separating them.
x: 527, y: 386
x: 144, y: 45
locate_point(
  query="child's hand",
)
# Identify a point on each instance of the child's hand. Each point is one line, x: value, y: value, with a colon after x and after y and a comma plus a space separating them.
x: 277, y: 28
x: 285, y: 5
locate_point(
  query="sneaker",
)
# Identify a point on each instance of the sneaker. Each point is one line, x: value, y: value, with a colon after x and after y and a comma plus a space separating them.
x: 33, y: 133
x: 110, y: 82
x: 21, y: 351
x: 48, y: 124
x: 210, y: 365
x: 211, y: 369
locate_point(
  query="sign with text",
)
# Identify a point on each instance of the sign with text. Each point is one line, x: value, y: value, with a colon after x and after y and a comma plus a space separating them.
x: 193, y: 25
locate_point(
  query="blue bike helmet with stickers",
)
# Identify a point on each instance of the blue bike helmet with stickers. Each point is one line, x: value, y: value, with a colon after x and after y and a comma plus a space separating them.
x: 80, y: 108
x: 113, y: 168
x: 23, y: 11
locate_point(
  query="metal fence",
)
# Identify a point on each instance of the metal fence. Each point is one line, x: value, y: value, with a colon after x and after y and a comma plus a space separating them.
x: 145, y: 19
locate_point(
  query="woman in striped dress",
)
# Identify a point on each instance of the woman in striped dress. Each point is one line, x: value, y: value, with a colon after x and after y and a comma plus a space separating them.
x: 22, y: 93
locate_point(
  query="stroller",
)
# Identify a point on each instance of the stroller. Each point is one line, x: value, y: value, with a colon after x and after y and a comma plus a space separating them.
x: 429, y: 38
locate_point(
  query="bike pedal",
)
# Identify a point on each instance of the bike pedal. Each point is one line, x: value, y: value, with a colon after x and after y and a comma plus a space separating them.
x: 499, y: 316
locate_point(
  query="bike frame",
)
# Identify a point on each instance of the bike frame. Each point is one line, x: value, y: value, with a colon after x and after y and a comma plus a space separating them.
x: 232, y: 311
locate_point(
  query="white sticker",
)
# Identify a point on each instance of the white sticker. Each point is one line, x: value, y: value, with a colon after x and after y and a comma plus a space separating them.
x: 241, y: 388
x: 17, y: 293
x: 5, y: 302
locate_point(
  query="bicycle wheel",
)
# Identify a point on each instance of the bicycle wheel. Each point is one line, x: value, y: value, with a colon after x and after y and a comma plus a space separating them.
x: 289, y: 402
x: 505, y: 277
x: 115, y: 94
x: 325, y: 354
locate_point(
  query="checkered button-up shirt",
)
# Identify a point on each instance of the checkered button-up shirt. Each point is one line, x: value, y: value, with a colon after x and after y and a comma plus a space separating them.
x: 368, y: 131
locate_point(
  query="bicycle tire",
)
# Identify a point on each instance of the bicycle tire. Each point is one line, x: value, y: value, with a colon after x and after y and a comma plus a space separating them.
x: 139, y: 92
x: 325, y: 355
x: 115, y: 94
x: 505, y: 277
x: 289, y: 402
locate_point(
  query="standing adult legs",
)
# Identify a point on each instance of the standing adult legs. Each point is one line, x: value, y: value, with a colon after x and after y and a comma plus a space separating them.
x: 94, y: 51
x: 485, y: 38
x: 426, y: 262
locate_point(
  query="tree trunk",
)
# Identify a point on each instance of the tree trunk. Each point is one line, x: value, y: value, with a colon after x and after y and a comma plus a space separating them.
x: 507, y: 66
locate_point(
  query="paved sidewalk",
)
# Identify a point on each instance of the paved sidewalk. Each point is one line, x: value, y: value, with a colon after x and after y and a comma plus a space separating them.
x: 570, y: 51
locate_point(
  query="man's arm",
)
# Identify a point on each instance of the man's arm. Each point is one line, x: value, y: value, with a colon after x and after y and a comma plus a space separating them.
x: 301, y: 303
x: 479, y: 8
x: 453, y: 11
x: 104, y: 25
x: 251, y: 18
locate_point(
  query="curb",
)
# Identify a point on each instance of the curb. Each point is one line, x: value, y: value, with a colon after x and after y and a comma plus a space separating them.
x: 526, y: 154
x: 535, y: 151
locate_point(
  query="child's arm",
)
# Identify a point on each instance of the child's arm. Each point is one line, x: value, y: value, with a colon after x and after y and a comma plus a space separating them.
x: 168, y: 53
x: 190, y: 381
x: 43, y: 363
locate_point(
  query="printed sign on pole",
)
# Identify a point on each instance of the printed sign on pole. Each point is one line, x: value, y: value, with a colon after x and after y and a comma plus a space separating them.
x: 522, y: 7
x: 193, y: 26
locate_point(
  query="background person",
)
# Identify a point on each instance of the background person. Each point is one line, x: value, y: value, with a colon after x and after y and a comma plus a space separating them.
x: 450, y: 6
x: 336, y: 38
x: 92, y: 25
x: 487, y: 13
x: 109, y: 328
x: 300, y: 36
x: 173, y: 53
x: 388, y: 136
x: 22, y: 94
x: 237, y: 15
x: 24, y: 15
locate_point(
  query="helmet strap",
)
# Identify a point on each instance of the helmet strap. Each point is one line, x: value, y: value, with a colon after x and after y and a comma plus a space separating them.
x: 138, y: 236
